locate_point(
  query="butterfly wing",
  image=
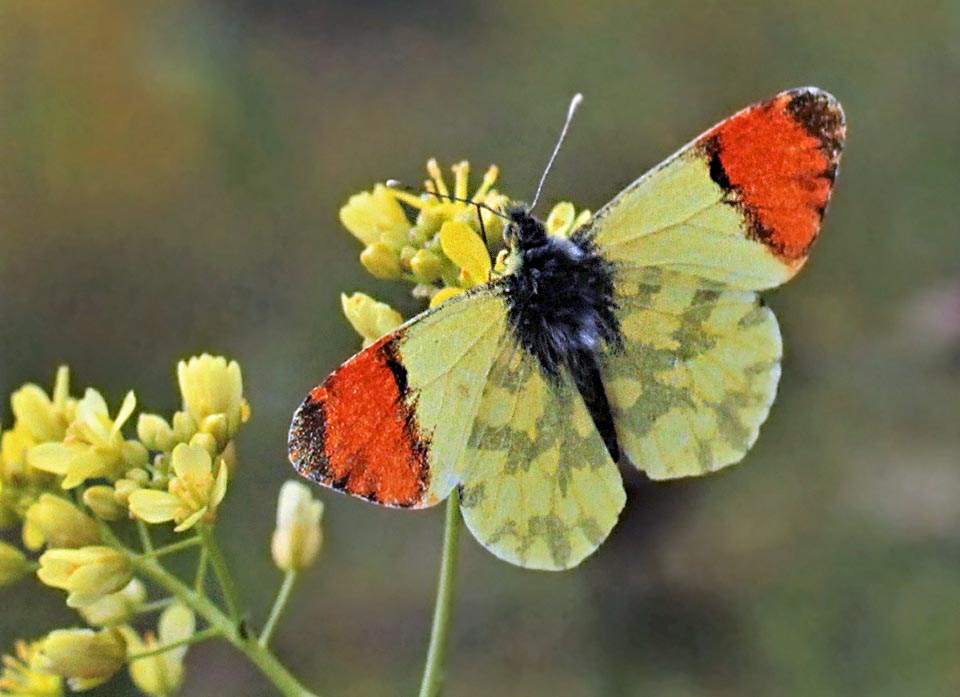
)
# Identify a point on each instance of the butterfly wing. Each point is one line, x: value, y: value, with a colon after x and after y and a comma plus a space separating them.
x: 739, y: 205
x: 697, y: 374
x: 390, y: 424
x: 733, y: 212
x: 540, y: 489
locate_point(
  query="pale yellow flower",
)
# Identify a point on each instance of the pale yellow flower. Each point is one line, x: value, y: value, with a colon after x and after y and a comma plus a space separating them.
x: 155, y: 433
x: 87, y: 574
x: 116, y: 608
x: 298, y: 535
x: 85, y: 657
x: 161, y: 674
x: 192, y: 495
x: 370, y: 318
x: 54, y: 521
x: 94, y: 446
x: 45, y: 418
x: 102, y: 500
x: 563, y: 220
x: 21, y: 677
x: 212, y: 392
x: 375, y: 217
x: 13, y: 564
x: 464, y: 247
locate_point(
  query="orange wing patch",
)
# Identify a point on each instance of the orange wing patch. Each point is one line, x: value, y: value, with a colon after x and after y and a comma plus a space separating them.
x: 357, y: 432
x: 778, y: 161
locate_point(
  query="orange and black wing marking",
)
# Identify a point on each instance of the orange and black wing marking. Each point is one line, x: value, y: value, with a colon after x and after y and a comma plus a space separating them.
x: 358, y: 431
x: 778, y: 161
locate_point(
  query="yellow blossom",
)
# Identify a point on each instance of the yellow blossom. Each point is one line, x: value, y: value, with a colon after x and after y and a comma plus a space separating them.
x: 382, y: 261
x: 115, y: 608
x: 371, y: 318
x: 212, y: 392
x: 563, y: 220
x: 155, y: 433
x: 87, y: 574
x: 375, y: 216
x: 94, y: 446
x: 192, y: 495
x: 13, y: 564
x: 85, y: 657
x: 444, y: 294
x: 464, y: 247
x: 161, y: 674
x: 54, y: 521
x: 22, y: 678
x: 45, y: 418
x: 298, y: 535
x: 102, y: 501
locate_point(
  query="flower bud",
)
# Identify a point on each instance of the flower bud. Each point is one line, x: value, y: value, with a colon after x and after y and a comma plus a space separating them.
x: 298, y: 535
x: 101, y: 500
x: 162, y: 674
x: 116, y: 608
x: 382, y: 261
x: 155, y: 433
x: 86, y: 658
x: 13, y: 564
x: 212, y: 386
x: 56, y: 522
x: 427, y: 266
x: 87, y: 574
x: 370, y: 318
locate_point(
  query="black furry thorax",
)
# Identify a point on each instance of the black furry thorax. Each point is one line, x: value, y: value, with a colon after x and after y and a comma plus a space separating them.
x: 560, y: 297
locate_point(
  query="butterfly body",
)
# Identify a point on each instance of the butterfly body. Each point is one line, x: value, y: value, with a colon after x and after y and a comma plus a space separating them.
x: 639, y: 339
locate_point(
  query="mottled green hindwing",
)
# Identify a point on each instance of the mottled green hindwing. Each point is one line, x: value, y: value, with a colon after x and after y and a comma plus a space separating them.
x: 540, y: 489
x: 697, y: 374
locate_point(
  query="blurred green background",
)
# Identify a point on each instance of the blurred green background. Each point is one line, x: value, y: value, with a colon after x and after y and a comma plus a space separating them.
x: 170, y: 175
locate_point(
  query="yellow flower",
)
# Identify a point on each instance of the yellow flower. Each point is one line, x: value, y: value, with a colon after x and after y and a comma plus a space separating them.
x: 94, y: 446
x: 44, y: 418
x: 396, y: 248
x: 161, y: 674
x: 212, y: 392
x: 155, y: 433
x: 464, y: 247
x: 298, y: 535
x: 563, y: 220
x: 21, y: 677
x: 56, y: 522
x: 115, y: 608
x: 375, y: 216
x: 371, y: 319
x: 13, y: 564
x: 192, y: 495
x: 102, y: 501
x: 86, y: 658
x: 87, y: 574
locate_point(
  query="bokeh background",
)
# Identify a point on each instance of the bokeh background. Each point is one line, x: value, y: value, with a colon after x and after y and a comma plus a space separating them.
x: 170, y: 175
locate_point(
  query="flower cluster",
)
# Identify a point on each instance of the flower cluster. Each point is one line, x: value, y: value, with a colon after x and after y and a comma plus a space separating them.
x: 452, y: 242
x: 70, y: 476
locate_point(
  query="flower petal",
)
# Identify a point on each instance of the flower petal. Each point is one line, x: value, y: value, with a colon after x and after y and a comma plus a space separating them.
x: 154, y: 506
x: 463, y: 246
x: 444, y: 294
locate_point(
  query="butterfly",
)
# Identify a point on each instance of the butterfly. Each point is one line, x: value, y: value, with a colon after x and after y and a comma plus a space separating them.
x: 640, y: 339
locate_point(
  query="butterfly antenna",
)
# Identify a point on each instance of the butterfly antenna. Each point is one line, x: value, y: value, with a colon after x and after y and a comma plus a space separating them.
x: 574, y: 103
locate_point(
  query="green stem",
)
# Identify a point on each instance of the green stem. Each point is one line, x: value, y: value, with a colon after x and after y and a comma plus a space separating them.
x: 174, y: 547
x: 433, y: 671
x: 200, y: 582
x: 219, y: 565
x: 195, y: 639
x: 155, y: 605
x: 145, y: 542
x: 273, y: 670
x: 283, y: 595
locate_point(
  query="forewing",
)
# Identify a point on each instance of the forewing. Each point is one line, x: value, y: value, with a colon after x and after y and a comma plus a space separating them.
x: 696, y: 375
x: 540, y: 489
x: 390, y: 424
x: 741, y: 204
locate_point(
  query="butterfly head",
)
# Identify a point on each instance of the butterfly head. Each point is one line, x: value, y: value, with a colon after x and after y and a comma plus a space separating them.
x: 525, y: 230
